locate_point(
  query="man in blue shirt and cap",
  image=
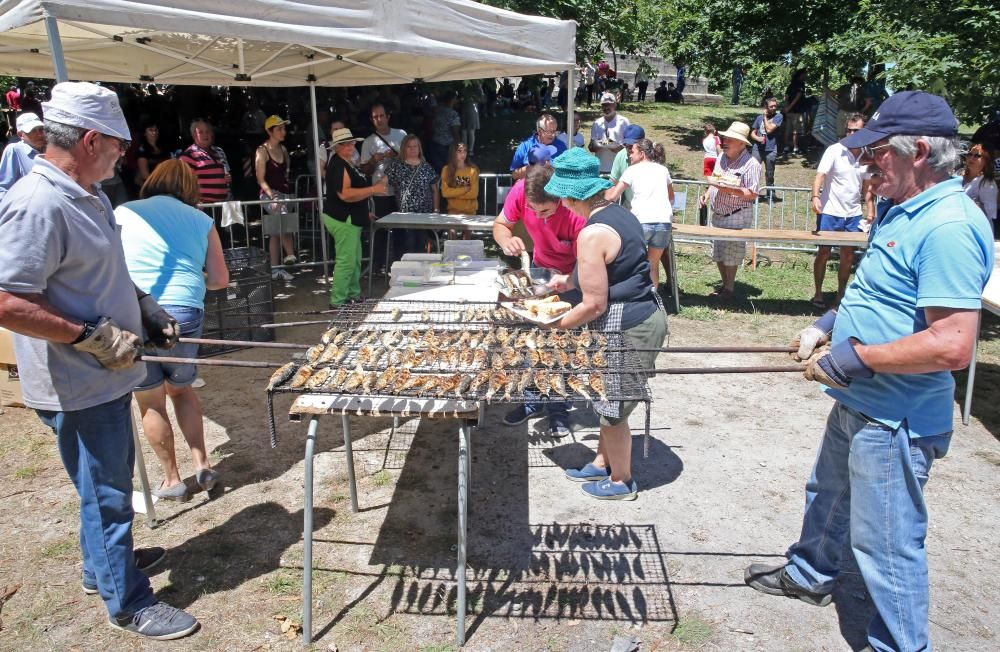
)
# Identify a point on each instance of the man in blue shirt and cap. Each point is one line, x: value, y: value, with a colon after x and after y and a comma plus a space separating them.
x: 19, y: 157
x: 546, y: 130
x: 886, y: 356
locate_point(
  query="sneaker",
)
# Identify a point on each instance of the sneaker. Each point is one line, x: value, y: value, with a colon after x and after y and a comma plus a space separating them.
x: 589, y: 473
x: 178, y: 492
x: 159, y: 622
x: 520, y: 414
x: 207, y: 479
x: 281, y: 275
x: 608, y: 489
x: 559, y: 426
x: 145, y: 559
x: 290, y: 259
x: 774, y: 580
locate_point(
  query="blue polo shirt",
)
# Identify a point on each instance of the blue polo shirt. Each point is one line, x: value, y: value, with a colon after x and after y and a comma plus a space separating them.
x: 16, y: 161
x: 521, y: 153
x: 934, y: 250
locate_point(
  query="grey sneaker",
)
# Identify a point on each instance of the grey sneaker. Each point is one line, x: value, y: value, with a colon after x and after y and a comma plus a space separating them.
x: 207, y: 479
x: 159, y: 622
x: 281, y: 275
x: 145, y: 559
x: 178, y: 492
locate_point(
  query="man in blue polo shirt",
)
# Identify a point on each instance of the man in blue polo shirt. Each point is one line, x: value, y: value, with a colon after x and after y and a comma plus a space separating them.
x: 907, y: 321
x: 546, y: 129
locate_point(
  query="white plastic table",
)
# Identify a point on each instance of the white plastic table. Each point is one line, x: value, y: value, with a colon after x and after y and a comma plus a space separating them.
x: 991, y: 302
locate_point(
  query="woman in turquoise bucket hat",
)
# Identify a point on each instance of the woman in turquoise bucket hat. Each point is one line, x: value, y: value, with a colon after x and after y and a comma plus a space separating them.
x: 612, y: 272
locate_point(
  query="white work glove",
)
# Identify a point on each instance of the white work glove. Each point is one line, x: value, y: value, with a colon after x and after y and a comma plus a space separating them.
x: 811, y: 338
x: 114, y: 347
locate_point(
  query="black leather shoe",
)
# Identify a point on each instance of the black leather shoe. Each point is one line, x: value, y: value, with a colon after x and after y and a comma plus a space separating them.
x: 774, y: 580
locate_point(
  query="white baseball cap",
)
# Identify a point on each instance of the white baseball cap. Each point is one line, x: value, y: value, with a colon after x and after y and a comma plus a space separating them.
x: 28, y: 122
x: 88, y: 106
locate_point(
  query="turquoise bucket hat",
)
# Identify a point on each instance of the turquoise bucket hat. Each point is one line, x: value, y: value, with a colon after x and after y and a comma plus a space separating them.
x: 576, y: 175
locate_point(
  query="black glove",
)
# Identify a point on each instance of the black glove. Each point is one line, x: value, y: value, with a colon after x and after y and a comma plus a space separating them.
x: 161, y: 328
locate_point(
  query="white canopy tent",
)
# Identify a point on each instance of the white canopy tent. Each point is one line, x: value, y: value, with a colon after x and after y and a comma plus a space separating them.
x: 279, y: 43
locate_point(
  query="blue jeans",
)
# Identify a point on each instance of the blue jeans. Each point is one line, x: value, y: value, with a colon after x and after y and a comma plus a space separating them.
x: 868, y: 480
x: 98, y: 452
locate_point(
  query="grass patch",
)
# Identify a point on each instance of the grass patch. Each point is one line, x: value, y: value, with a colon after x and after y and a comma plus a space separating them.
x: 282, y: 583
x: 381, y: 478
x: 27, y: 472
x: 692, y: 631
x: 363, y: 625
x: 62, y: 549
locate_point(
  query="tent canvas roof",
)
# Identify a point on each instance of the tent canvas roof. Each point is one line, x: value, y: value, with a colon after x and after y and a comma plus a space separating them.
x: 281, y: 43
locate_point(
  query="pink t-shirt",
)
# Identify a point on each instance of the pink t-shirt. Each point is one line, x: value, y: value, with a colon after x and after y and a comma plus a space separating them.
x: 554, y: 238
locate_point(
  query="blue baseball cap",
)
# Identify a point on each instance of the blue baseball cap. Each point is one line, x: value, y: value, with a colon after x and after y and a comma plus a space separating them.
x: 633, y: 134
x: 541, y: 153
x: 907, y: 113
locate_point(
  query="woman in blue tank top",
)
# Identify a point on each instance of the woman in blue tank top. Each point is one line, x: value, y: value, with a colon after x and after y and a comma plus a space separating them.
x: 612, y: 272
x: 168, y: 243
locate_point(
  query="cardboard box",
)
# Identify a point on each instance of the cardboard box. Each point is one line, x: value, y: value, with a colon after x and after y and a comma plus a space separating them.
x: 7, y: 347
x: 10, y: 387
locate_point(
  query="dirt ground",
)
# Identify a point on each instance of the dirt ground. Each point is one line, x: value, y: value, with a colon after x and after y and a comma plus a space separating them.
x: 549, y: 568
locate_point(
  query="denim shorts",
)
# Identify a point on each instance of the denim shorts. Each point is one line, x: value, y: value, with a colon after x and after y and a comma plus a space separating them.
x: 657, y: 236
x: 826, y: 222
x: 179, y: 375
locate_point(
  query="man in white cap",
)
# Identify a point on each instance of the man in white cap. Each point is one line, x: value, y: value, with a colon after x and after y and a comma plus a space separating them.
x: 66, y: 293
x: 732, y: 191
x: 19, y: 157
x: 607, y: 134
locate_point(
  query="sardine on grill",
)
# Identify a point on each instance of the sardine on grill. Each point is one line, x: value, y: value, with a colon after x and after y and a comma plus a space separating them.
x: 369, y: 381
x: 301, y: 376
x: 475, y: 340
x: 477, y: 382
x: 509, y: 386
x: 497, y: 380
x: 449, y: 383
x: 578, y: 385
x: 354, y: 379
x: 584, y: 339
x: 521, y: 340
x: 596, y: 381
x: 386, y: 378
x: 580, y: 360
x: 558, y: 384
x: 510, y: 356
x: 338, y: 379
x: 466, y: 357
x: 314, y: 353
x: 413, y: 382
x: 454, y: 356
x: 328, y: 336
x: 534, y: 357
x: 341, y: 337
x: 469, y: 314
x: 396, y: 314
x: 524, y: 381
x: 396, y: 357
x: 490, y: 338
x: 496, y: 362
x: 559, y: 339
x: 463, y: 338
x: 548, y: 358
x: 318, y: 378
x: 503, y: 336
x: 601, y: 339
x: 562, y: 358
x: 330, y: 353
x: 365, y: 354
x: 401, y: 379
x: 282, y: 374
x: 479, y: 358
x: 599, y: 359
x: 391, y: 337
x: 543, y: 381
x: 535, y: 339
x: 463, y: 385
x: 425, y: 315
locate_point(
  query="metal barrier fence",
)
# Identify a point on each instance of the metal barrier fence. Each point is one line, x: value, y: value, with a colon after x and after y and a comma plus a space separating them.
x: 781, y: 208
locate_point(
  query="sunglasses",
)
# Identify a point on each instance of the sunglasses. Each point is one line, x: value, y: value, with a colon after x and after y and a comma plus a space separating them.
x: 869, y: 151
x: 123, y: 144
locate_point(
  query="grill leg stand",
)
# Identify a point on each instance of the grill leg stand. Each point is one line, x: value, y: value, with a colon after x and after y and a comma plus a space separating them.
x: 371, y: 257
x: 645, y: 439
x: 464, y: 441
x: 349, y: 449
x: 967, y: 408
x: 307, y: 534
x: 140, y: 465
x: 672, y: 261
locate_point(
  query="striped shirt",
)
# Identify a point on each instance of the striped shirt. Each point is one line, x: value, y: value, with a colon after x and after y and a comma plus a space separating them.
x: 747, y: 168
x: 211, y: 168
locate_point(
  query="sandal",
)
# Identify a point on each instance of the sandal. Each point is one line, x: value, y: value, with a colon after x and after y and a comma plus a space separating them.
x: 721, y: 293
x: 818, y: 303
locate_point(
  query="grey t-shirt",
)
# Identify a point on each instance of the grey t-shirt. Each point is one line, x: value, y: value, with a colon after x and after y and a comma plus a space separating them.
x: 62, y: 242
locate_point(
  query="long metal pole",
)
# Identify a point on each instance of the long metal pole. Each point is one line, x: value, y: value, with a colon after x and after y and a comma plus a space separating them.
x: 349, y: 450
x: 463, y: 495
x: 307, y: 533
x: 212, y: 363
x: 967, y: 404
x: 55, y: 45
x: 260, y: 345
x: 319, y: 181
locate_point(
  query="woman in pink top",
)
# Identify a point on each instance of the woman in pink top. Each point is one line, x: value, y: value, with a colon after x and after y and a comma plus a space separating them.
x: 552, y: 227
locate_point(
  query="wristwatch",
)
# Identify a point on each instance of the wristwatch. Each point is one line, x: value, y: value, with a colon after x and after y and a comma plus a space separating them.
x: 88, y: 329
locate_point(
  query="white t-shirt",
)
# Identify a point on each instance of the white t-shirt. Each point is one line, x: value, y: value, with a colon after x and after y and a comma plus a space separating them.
x: 604, y: 130
x: 984, y: 194
x: 649, y: 182
x: 841, y: 192
x: 711, y: 146
x: 374, y: 145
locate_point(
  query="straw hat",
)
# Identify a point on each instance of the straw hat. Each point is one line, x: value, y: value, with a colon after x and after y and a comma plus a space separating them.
x: 576, y: 175
x: 340, y: 136
x: 737, y: 131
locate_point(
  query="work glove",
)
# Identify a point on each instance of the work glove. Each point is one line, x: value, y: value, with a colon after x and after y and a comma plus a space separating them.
x: 812, y: 337
x: 837, y: 366
x: 162, y: 329
x: 113, y: 347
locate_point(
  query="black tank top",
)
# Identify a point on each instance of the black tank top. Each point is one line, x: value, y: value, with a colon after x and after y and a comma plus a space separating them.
x: 628, y: 274
x: 276, y: 174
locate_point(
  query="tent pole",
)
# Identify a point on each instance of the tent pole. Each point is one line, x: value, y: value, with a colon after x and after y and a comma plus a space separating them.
x: 55, y: 44
x: 319, y: 181
x: 570, y: 104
